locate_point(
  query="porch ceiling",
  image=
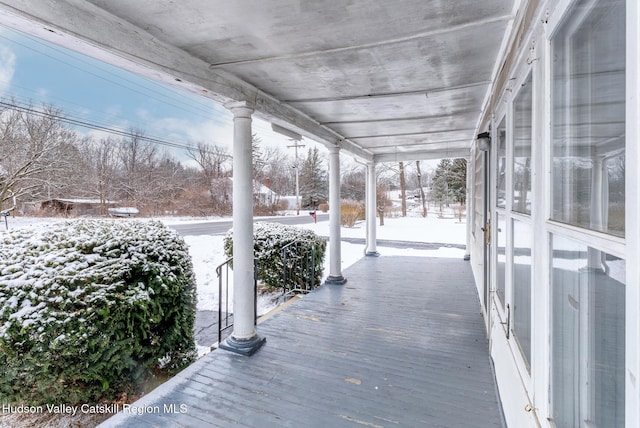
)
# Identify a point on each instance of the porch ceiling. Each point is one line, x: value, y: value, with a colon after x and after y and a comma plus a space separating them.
x: 388, y: 80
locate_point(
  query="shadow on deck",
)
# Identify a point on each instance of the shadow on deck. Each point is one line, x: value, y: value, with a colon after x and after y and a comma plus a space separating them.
x: 401, y: 344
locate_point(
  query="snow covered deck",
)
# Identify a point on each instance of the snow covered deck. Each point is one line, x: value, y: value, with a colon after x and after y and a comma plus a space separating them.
x: 401, y: 344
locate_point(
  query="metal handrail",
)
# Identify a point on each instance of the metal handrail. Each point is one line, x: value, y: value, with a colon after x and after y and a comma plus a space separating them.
x: 225, y: 322
x: 298, y: 267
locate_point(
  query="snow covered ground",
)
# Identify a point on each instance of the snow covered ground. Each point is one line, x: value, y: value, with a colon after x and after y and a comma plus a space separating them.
x: 207, y: 250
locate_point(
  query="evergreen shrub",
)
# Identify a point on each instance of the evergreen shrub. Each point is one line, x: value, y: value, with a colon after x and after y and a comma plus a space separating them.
x: 91, y: 309
x: 268, y: 241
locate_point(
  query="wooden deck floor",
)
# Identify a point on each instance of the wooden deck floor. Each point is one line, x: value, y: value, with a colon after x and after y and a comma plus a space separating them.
x: 401, y: 344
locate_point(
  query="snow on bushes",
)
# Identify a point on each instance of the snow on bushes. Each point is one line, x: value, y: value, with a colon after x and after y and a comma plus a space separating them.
x: 89, y: 308
x: 268, y: 242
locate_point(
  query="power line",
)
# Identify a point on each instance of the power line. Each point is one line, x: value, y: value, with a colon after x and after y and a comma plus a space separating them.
x: 90, y: 125
x: 187, y: 104
x: 79, y: 119
x: 106, y: 128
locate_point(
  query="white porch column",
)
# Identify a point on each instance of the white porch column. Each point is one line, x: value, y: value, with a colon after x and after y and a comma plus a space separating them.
x: 244, y: 339
x: 335, y: 267
x: 470, y: 170
x: 371, y: 210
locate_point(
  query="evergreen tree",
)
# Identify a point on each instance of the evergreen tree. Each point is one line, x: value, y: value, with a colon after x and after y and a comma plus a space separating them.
x: 313, y: 180
x: 450, y: 182
x: 458, y: 180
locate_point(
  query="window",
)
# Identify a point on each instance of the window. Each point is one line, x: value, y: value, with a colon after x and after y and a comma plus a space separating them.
x: 501, y: 179
x: 522, y: 114
x: 588, y: 336
x: 522, y: 287
x: 588, y: 119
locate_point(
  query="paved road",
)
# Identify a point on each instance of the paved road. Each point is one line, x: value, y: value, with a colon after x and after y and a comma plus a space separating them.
x: 221, y: 227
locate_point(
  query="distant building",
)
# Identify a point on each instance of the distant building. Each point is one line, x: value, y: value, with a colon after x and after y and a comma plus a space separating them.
x: 76, y: 206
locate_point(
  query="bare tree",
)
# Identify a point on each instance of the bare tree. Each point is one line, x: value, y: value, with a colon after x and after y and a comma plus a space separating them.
x: 138, y: 159
x: 215, y: 165
x: 35, y: 152
x: 421, y: 189
x: 403, y: 189
x: 279, y: 175
x: 214, y: 161
x: 353, y: 183
x: 170, y: 182
x: 101, y: 161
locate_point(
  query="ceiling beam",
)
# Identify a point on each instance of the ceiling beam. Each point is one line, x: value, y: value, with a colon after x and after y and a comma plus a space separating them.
x: 412, y: 134
x: 400, y: 119
x: 422, y: 155
x: 417, y: 36
x: 424, y: 92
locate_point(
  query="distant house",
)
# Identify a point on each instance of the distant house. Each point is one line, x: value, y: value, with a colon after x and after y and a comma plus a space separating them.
x: 76, y: 206
x: 262, y: 194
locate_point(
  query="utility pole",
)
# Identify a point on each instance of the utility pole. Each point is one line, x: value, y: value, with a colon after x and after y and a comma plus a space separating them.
x: 296, y: 144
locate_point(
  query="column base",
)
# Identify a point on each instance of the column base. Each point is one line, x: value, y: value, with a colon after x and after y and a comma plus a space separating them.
x: 335, y: 280
x: 246, y: 347
x: 372, y: 254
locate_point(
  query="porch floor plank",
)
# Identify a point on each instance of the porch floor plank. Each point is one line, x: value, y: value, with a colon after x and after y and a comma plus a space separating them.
x: 401, y: 344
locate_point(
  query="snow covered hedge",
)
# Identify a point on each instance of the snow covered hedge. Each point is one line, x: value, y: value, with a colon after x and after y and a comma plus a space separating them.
x: 88, y: 309
x: 268, y: 241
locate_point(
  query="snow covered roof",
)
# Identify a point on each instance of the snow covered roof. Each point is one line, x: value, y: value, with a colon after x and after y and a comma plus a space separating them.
x: 81, y: 201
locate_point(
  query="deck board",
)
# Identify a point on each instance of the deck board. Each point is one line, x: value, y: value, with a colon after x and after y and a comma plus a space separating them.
x: 401, y: 344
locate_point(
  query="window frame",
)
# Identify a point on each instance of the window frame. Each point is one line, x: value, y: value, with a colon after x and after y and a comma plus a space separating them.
x: 614, y: 245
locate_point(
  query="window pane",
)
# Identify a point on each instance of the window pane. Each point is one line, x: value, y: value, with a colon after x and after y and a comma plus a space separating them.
x: 501, y: 178
x: 522, y: 287
x: 501, y: 256
x: 588, y: 328
x: 589, y: 116
x: 522, y: 110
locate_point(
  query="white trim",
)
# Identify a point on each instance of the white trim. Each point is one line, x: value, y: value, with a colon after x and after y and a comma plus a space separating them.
x: 524, y: 366
x: 557, y: 15
x: 541, y: 209
x: 613, y: 245
x: 632, y: 212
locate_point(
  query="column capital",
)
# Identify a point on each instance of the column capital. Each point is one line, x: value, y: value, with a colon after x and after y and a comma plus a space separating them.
x: 240, y: 108
x: 334, y: 149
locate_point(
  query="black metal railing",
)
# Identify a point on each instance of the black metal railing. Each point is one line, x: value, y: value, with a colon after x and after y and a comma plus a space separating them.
x: 298, y: 267
x: 225, y: 317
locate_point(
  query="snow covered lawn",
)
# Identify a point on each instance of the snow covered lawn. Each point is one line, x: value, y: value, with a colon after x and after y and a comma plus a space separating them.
x: 207, y: 251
